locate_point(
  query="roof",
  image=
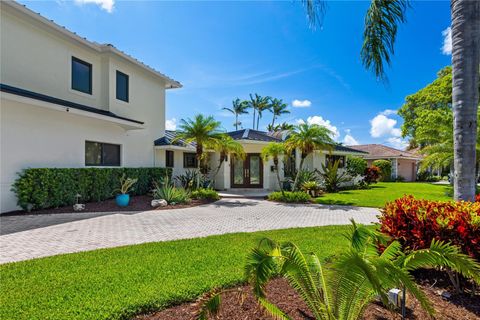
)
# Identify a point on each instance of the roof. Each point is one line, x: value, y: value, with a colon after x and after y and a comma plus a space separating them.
x: 381, y: 151
x: 69, y: 104
x: 342, y: 148
x: 250, y: 134
x: 168, y: 140
x: 100, y: 48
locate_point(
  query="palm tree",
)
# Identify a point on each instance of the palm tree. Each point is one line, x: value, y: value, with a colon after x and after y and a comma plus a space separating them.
x: 258, y: 104
x: 238, y: 108
x: 203, y: 131
x: 306, y: 138
x: 342, y: 289
x: 273, y: 151
x: 278, y: 108
x: 380, y: 31
x: 225, y: 146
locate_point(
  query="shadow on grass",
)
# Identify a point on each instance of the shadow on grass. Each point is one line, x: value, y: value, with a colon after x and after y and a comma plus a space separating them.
x: 334, y: 202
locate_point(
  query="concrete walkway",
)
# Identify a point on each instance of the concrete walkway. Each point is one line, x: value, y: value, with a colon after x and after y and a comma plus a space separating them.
x: 28, y: 237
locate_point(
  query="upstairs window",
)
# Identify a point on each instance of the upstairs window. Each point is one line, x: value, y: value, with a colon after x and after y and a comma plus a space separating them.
x: 102, y: 154
x: 81, y: 76
x: 122, y: 86
x: 331, y: 159
x: 169, y: 159
x: 189, y: 160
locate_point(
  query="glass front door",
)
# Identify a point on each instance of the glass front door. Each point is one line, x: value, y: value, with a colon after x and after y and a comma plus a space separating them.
x: 247, y: 173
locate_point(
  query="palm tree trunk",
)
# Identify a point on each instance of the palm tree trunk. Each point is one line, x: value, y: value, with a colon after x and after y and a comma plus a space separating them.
x: 258, y: 119
x: 222, y: 159
x: 273, y: 121
x: 465, y: 76
x: 298, y: 173
x: 253, y: 118
x: 278, y: 178
x: 199, y: 164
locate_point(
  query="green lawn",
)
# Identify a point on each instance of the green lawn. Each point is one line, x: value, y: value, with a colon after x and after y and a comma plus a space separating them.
x: 120, y: 282
x: 382, y: 192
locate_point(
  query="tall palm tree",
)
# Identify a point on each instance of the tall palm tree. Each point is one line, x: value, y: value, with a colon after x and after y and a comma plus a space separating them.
x: 225, y: 146
x: 238, y: 108
x: 307, y: 138
x: 275, y: 150
x: 258, y: 104
x: 203, y: 131
x: 278, y: 108
x: 380, y: 31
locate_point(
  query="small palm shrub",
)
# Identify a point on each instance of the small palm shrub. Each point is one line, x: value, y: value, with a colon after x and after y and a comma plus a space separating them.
x: 342, y: 289
x: 170, y: 193
x: 289, y: 196
x: 385, y: 167
x: 126, y: 184
x: 332, y: 178
x: 188, y: 179
x: 205, y: 194
x: 313, y: 188
x: 306, y: 176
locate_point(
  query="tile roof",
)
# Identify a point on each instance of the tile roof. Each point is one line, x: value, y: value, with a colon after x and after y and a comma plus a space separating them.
x: 168, y: 140
x: 69, y: 104
x: 250, y: 134
x: 348, y: 149
x: 381, y: 151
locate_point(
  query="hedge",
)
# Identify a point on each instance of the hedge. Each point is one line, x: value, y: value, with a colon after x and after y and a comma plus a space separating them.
x: 42, y: 188
x: 415, y: 222
x: 385, y: 169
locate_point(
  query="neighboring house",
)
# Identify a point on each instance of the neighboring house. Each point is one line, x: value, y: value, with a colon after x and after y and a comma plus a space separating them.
x: 404, y: 163
x: 251, y: 172
x: 69, y: 102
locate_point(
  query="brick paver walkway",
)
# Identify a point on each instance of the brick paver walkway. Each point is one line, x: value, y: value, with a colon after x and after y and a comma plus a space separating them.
x: 28, y: 237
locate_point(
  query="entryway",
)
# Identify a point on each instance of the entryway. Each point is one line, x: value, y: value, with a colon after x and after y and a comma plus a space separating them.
x: 248, y: 172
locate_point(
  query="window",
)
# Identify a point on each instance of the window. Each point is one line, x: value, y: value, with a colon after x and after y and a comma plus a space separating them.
x: 169, y: 159
x: 189, y: 160
x: 81, y: 76
x: 102, y: 154
x: 122, y: 86
x: 331, y: 159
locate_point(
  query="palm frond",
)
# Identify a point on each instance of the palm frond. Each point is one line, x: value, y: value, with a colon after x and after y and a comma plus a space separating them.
x: 209, y: 305
x: 315, y: 10
x: 381, y: 25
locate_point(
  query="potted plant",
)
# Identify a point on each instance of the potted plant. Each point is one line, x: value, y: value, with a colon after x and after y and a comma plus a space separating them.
x: 126, y: 184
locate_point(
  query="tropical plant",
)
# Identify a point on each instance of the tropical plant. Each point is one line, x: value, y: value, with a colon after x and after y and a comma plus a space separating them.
x: 126, y: 184
x: 342, y: 289
x: 225, y: 146
x: 238, y: 108
x: 331, y: 177
x: 274, y: 151
x: 205, y: 194
x: 385, y: 167
x: 258, y: 104
x: 203, y: 131
x: 289, y: 196
x: 278, y: 108
x: 170, y: 193
x: 372, y: 174
x: 313, y: 188
x: 307, y: 138
x: 306, y: 175
x: 356, y: 166
x: 188, y: 179
x: 380, y: 30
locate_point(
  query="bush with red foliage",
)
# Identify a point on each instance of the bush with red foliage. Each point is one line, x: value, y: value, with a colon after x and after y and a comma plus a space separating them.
x: 415, y: 222
x: 477, y: 198
x: 372, y: 174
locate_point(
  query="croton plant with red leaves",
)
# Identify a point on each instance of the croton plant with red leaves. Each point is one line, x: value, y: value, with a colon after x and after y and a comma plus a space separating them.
x: 415, y: 222
x: 477, y: 198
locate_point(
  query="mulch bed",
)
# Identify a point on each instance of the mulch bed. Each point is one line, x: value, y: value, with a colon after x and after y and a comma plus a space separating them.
x: 137, y: 203
x: 239, y: 304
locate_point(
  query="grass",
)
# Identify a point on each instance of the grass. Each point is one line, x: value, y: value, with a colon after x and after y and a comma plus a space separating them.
x: 383, y: 192
x: 121, y: 282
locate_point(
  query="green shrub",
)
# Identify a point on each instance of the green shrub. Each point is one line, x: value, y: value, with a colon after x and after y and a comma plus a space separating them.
x: 385, y: 167
x: 296, y: 196
x: 171, y: 194
x: 332, y: 178
x: 356, y: 166
x: 205, y: 194
x: 42, y: 188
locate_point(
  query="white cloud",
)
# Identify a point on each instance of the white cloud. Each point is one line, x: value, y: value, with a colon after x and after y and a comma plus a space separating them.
x: 322, y: 122
x: 388, y: 112
x: 106, y: 5
x: 301, y: 103
x: 447, y: 41
x: 397, y: 143
x: 382, y: 126
x: 350, y: 141
x: 171, y: 124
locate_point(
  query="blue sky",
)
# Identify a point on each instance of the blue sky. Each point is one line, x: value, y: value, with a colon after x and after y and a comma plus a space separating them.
x: 221, y: 50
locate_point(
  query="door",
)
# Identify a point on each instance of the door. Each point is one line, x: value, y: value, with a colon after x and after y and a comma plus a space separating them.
x: 247, y: 173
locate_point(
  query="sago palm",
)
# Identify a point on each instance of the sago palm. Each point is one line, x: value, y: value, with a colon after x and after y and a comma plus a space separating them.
x: 225, y: 146
x: 203, y: 131
x: 238, y: 108
x: 380, y: 31
x: 278, y: 107
x: 275, y: 150
x: 343, y: 288
x: 307, y: 138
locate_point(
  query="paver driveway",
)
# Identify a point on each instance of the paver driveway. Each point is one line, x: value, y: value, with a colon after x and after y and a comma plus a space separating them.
x: 27, y: 237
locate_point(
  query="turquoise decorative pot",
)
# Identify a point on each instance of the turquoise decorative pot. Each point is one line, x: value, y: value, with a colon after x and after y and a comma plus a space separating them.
x: 123, y: 200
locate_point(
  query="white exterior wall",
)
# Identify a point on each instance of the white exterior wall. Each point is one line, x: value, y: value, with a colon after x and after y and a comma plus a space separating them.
x: 35, y: 57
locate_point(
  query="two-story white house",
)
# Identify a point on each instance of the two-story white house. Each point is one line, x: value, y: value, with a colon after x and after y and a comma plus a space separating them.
x: 69, y: 102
